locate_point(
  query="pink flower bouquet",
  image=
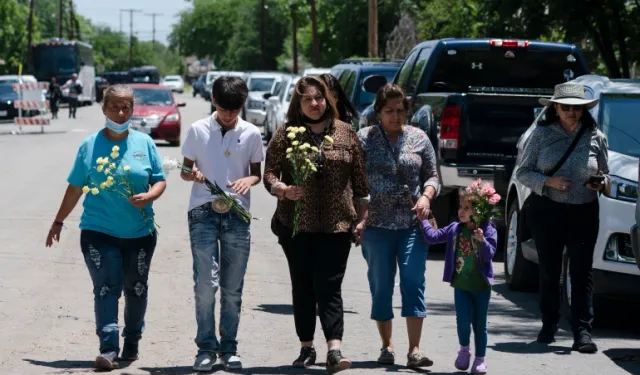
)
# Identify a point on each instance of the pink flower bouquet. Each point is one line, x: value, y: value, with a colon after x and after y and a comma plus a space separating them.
x: 483, y: 199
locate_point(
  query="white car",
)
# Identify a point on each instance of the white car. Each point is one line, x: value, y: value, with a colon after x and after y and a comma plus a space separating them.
x: 175, y: 83
x: 260, y: 83
x: 315, y: 71
x: 213, y: 75
x: 615, y: 273
x: 278, y: 105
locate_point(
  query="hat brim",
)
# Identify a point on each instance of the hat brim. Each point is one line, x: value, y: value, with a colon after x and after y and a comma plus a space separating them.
x: 588, y: 103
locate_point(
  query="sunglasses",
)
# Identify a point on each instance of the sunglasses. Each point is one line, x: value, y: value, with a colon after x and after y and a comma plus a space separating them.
x: 567, y: 107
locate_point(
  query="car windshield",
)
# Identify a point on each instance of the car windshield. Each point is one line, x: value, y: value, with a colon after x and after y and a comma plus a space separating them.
x: 261, y: 84
x: 172, y: 79
x: 152, y: 97
x: 290, y: 92
x: 7, y: 90
x: 54, y: 60
x: 618, y: 117
x: 366, y: 98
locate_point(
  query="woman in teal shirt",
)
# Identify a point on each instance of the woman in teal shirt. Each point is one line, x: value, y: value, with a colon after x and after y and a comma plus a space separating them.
x: 120, y: 170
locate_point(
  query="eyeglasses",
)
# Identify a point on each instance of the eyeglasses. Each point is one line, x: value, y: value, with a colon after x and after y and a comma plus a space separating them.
x: 567, y: 107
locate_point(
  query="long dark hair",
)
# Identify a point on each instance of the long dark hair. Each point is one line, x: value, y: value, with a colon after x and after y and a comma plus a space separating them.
x: 294, y: 114
x: 551, y: 117
x: 345, y: 109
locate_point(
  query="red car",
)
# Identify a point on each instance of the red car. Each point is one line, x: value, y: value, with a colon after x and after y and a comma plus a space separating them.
x: 156, y: 113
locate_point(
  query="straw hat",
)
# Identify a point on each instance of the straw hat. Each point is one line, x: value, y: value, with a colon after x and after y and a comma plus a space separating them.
x: 570, y: 94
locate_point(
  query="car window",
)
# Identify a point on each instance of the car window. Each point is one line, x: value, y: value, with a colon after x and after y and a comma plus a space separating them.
x: 261, y: 84
x: 366, y: 98
x: 344, y: 76
x: 618, y: 118
x: 152, y: 97
x: 421, y: 61
x: 405, y: 71
x: 349, y: 85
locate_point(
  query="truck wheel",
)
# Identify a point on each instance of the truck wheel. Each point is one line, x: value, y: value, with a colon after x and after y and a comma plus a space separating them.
x: 520, y: 273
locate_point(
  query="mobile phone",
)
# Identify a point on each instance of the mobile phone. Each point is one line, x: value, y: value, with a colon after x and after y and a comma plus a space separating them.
x: 596, y: 179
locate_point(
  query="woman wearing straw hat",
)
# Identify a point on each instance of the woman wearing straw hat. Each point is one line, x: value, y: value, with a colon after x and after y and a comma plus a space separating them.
x: 565, y: 165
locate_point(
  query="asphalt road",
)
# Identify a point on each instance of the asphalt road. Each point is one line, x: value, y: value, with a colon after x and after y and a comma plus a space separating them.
x: 46, y: 303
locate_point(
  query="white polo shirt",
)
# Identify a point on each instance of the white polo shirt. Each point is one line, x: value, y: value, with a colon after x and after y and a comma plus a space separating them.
x: 222, y: 159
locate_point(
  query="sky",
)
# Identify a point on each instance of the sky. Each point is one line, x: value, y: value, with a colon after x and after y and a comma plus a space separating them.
x: 107, y: 12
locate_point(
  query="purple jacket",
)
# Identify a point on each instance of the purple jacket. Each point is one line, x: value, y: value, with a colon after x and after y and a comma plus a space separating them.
x: 484, y: 256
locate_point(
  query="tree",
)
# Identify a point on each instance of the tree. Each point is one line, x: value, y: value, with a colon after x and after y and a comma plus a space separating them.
x: 13, y: 35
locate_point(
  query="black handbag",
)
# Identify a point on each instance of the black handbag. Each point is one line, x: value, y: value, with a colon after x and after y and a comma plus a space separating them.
x: 526, y: 206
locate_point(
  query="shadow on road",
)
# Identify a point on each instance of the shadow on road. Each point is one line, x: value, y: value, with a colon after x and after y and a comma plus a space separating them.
x: 65, y: 364
x: 284, y: 309
x: 185, y: 370
x: 626, y: 359
x: 529, y: 348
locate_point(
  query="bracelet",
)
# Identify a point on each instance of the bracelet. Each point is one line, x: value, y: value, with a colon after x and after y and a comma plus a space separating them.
x: 59, y: 223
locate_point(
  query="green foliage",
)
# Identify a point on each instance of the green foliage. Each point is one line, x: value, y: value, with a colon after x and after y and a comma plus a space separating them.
x: 13, y: 35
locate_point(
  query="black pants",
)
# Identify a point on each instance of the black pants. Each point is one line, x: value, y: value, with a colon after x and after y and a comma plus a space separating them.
x: 317, y: 264
x: 73, y: 106
x: 555, y: 226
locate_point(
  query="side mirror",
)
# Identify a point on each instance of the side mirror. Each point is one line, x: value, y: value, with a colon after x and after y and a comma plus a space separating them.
x: 374, y: 83
x: 182, y: 104
x: 267, y: 95
x: 273, y: 99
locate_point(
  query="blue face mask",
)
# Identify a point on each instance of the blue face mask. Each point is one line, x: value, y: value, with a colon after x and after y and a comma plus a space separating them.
x: 118, y: 128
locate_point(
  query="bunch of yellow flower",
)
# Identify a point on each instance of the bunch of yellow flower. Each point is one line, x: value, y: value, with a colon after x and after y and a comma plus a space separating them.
x: 301, y: 157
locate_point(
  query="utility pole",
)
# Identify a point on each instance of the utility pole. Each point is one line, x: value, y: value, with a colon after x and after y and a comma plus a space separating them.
x: 72, y: 23
x: 153, y: 18
x: 373, y: 28
x: 131, y: 11
x: 30, y: 32
x: 60, y: 13
x: 294, y: 34
x: 263, y: 32
x: 314, y: 32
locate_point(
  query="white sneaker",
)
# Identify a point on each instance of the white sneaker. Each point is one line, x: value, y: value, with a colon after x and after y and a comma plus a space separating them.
x: 204, y: 362
x: 231, y: 361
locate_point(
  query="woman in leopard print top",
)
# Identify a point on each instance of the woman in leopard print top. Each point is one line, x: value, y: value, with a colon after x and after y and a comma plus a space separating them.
x: 318, y: 254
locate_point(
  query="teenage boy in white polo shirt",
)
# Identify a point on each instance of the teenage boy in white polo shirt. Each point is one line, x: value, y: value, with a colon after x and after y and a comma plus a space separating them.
x: 227, y: 150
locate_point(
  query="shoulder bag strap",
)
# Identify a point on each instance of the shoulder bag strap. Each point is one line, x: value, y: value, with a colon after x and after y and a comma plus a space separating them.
x: 564, y: 158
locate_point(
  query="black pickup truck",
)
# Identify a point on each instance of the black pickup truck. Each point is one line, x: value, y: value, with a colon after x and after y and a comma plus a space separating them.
x: 474, y: 98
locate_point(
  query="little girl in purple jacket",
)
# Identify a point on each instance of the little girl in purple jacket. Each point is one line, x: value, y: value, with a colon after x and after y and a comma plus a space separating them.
x: 468, y: 268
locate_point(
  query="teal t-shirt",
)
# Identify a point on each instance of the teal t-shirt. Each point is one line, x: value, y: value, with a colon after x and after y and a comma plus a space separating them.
x: 137, y: 164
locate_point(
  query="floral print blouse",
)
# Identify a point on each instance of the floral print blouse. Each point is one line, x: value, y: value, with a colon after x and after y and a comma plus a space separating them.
x: 389, y: 207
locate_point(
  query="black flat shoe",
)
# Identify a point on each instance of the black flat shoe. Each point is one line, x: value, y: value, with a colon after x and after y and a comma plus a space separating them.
x: 585, y: 345
x: 307, y: 357
x: 336, y: 362
x: 547, y: 334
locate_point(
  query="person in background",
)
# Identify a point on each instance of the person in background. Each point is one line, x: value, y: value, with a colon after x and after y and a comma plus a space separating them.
x: 54, y: 95
x: 564, y: 212
x: 402, y: 175
x: 75, y: 89
x: 118, y: 236
x: 318, y: 253
x: 228, y: 151
x: 347, y: 113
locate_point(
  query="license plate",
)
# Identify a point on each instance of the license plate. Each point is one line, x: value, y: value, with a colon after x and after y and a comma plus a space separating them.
x: 3, y: 113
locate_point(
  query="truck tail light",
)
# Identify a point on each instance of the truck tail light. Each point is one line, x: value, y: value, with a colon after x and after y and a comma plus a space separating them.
x: 509, y: 43
x: 450, y: 127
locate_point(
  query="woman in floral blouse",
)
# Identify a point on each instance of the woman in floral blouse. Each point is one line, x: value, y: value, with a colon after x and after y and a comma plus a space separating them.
x: 401, y: 170
x: 318, y: 253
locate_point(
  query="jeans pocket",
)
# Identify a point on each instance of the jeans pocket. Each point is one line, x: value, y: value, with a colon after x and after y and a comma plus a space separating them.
x: 196, y: 214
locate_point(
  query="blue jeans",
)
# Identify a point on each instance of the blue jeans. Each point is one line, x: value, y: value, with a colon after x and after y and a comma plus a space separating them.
x: 115, y: 265
x: 218, y: 266
x: 472, y: 308
x: 383, y: 249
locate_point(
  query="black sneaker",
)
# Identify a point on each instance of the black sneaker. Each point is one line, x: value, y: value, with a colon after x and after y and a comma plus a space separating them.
x: 584, y: 344
x: 129, y: 351
x: 547, y: 333
x: 336, y: 362
x: 307, y: 357
x: 107, y: 361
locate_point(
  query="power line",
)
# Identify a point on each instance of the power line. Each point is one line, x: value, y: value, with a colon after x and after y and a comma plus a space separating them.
x: 131, y: 11
x: 153, y: 17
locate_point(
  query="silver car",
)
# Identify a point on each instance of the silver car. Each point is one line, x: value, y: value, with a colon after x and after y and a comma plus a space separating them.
x: 278, y: 105
x: 260, y: 83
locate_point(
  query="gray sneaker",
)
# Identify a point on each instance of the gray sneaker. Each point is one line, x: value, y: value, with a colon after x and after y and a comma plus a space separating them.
x: 204, y: 362
x: 107, y: 361
x: 231, y: 361
x: 418, y: 359
x: 387, y: 356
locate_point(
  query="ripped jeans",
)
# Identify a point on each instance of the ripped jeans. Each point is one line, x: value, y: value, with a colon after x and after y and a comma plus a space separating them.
x: 116, y: 265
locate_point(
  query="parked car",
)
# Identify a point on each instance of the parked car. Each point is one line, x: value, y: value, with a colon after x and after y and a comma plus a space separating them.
x: 9, y: 80
x: 198, y: 85
x: 352, y: 72
x: 156, y: 112
x: 101, y: 84
x: 635, y: 236
x: 174, y: 83
x: 278, y: 105
x: 259, y: 83
x: 315, y: 71
x: 615, y: 273
x: 474, y: 98
x: 144, y: 74
x: 212, y: 76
